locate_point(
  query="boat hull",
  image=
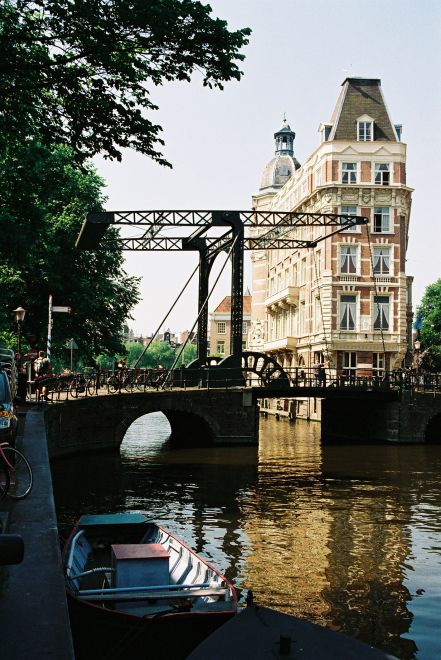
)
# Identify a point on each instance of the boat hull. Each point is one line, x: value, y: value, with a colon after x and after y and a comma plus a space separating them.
x: 99, y: 633
x: 160, y: 619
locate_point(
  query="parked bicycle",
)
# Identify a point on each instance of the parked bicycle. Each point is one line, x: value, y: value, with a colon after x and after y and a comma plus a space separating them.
x: 16, y: 478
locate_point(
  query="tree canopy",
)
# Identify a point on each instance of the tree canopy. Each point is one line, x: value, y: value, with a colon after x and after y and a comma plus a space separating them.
x: 430, y: 314
x: 159, y: 353
x: 77, y: 72
x: 44, y: 200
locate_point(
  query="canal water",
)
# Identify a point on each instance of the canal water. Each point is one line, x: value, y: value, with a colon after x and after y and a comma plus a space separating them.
x: 345, y: 536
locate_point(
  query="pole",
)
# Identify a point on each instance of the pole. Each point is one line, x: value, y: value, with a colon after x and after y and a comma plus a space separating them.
x: 19, y: 337
x: 49, y: 329
x: 71, y: 355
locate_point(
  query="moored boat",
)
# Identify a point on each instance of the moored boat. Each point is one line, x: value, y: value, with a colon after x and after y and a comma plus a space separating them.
x: 136, y: 591
x: 261, y: 633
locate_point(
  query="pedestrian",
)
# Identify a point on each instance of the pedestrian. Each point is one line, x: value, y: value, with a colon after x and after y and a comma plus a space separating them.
x: 321, y: 375
x: 42, y: 365
x: 43, y: 369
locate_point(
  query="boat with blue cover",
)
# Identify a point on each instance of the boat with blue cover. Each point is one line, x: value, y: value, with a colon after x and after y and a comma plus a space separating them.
x: 133, y: 586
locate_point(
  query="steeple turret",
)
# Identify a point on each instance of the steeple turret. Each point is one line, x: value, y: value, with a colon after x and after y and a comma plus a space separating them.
x: 283, y: 165
x: 284, y: 138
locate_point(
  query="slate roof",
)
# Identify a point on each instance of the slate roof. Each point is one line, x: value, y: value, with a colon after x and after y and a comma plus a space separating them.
x: 361, y: 96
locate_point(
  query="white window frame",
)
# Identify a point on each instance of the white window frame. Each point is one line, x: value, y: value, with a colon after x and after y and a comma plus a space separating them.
x: 344, y: 211
x: 244, y: 327
x: 220, y: 344
x: 365, y: 130
x: 341, y: 313
x: 318, y: 177
x: 221, y: 328
x: 380, y: 211
x: 350, y: 368
x: 379, y: 173
x: 351, y: 174
x: 354, y: 253
x: 378, y: 362
x: 377, y: 260
x: 375, y: 312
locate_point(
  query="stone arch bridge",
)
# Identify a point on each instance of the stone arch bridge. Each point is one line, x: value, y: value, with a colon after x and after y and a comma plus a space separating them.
x: 231, y: 416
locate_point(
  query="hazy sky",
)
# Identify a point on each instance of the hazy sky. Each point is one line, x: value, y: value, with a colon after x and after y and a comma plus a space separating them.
x: 300, y: 52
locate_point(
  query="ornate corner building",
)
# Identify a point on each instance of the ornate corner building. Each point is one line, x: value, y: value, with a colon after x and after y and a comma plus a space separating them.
x: 346, y: 303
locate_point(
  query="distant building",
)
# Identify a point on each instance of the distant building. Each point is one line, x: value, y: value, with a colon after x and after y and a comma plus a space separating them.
x: 220, y: 325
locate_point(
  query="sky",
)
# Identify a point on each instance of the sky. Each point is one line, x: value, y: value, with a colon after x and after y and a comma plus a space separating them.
x: 218, y: 142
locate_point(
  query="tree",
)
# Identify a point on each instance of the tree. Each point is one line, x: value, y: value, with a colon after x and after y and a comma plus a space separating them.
x: 77, y: 72
x: 44, y: 200
x: 430, y: 313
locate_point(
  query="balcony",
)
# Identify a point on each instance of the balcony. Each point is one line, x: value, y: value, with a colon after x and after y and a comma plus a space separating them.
x: 283, y: 299
x: 349, y: 278
x: 285, y: 343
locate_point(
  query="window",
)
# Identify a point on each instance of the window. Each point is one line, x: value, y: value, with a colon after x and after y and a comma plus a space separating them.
x: 381, y: 261
x: 220, y: 348
x: 365, y: 131
x: 378, y: 364
x: 348, y: 312
x: 317, y: 315
x: 303, y: 271
x: 221, y: 328
x: 318, y: 263
x: 350, y: 210
x: 381, y: 219
x: 381, y: 312
x: 348, y: 259
x: 286, y: 277
x: 318, y: 176
x: 349, y: 172
x: 349, y: 363
x: 244, y: 328
x: 382, y: 174
x: 302, y: 318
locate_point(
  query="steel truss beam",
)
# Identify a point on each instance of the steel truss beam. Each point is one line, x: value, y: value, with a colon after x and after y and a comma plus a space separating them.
x: 96, y: 224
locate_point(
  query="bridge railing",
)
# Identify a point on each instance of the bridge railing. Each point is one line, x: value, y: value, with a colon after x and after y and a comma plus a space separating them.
x: 90, y: 382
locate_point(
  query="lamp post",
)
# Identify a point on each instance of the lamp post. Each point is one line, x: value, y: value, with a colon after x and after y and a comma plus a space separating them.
x: 20, y: 313
x: 417, y: 346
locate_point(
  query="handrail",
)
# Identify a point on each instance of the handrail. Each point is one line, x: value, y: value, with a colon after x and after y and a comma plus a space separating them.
x: 135, y: 380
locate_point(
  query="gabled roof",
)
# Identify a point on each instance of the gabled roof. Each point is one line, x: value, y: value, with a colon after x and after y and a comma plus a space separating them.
x: 224, y: 306
x: 361, y: 96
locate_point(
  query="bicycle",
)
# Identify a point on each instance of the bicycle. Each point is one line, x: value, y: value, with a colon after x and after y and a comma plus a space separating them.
x: 16, y: 478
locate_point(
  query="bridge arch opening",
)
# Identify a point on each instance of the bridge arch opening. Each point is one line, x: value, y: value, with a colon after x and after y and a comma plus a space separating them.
x: 178, y: 427
x: 433, y: 430
x: 150, y: 430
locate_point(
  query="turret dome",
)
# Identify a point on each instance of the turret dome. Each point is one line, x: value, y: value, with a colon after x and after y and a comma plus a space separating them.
x: 283, y: 165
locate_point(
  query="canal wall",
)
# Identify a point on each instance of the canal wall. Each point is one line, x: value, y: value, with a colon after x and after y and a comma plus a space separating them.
x: 414, y: 418
x: 33, y: 609
x: 196, y: 417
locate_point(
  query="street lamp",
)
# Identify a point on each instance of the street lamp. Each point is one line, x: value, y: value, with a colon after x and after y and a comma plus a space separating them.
x: 417, y: 346
x: 20, y: 313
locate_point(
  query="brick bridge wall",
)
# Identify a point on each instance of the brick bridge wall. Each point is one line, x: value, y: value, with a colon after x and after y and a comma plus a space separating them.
x: 196, y: 417
x: 414, y: 418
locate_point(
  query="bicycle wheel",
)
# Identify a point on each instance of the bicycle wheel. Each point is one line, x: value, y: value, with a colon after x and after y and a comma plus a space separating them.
x: 4, y: 479
x: 91, y: 385
x: 21, y: 476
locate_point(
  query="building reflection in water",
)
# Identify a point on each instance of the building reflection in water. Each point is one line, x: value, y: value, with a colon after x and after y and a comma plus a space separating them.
x: 322, y: 532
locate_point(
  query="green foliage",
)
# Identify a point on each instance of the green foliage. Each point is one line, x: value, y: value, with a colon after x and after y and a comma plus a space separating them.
x: 44, y: 200
x: 159, y: 353
x: 430, y: 310
x: 77, y: 72
x: 8, y: 340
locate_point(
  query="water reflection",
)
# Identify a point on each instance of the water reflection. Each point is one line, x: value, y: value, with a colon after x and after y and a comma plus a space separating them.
x: 348, y: 537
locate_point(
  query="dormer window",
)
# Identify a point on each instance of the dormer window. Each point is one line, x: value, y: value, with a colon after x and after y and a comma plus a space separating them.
x: 365, y: 129
x: 325, y: 130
